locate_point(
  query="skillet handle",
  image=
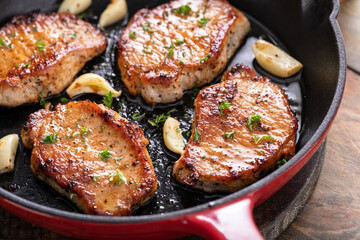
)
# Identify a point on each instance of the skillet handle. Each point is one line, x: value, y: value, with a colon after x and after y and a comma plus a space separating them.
x: 232, y: 221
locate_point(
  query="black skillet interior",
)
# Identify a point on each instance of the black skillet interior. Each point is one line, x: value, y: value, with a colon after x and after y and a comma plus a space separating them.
x: 170, y: 196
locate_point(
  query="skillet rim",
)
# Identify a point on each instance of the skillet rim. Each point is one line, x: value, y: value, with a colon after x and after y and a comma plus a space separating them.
x: 299, y: 156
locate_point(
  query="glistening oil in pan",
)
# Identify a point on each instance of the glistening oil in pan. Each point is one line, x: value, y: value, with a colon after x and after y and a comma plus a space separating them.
x: 170, y: 196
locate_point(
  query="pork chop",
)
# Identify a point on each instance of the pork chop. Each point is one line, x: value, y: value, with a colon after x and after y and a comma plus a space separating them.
x: 40, y: 54
x: 177, y: 46
x: 91, y: 155
x: 242, y: 127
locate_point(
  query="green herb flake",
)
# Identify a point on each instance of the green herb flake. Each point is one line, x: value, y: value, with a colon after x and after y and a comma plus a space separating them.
x: 72, y: 195
x: 182, y: 62
x: 108, y: 99
x: 146, y: 28
x: 202, y: 22
x: 26, y: 65
x: 34, y: 29
x: 64, y: 100
x: 170, y: 52
x: 41, y: 100
x: 120, y: 177
x: 177, y: 130
x: 204, y: 36
x: 159, y: 119
x: 171, y: 111
x: 11, y: 34
x: 257, y: 139
x: 137, y: 115
x: 132, y: 35
x: 186, y: 134
x: 255, y: 118
x: 224, y: 90
x: 75, y: 134
x: 202, y: 157
x: 95, y: 178
x: 51, y: 138
x: 280, y: 163
x: 111, y: 176
x: 82, y: 15
x: 74, y: 36
x: 229, y: 135
x: 105, y: 155
x: 147, y: 50
x: 205, y: 58
x: 85, y: 132
x: 117, y: 160
x: 183, y: 10
x: 127, y: 164
x: 40, y: 45
x: 196, y: 135
x: 179, y: 42
x: 224, y: 105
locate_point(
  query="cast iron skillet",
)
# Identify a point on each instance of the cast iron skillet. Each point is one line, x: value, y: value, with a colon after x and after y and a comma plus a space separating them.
x: 308, y: 29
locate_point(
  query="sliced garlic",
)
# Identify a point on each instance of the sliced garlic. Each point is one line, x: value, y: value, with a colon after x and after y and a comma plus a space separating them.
x: 274, y: 60
x: 115, y: 11
x: 172, y: 136
x: 91, y: 83
x: 8, y: 147
x: 74, y: 6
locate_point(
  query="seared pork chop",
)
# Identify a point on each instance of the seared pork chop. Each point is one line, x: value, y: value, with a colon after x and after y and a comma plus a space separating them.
x: 242, y: 127
x: 91, y: 155
x: 40, y: 54
x: 177, y: 46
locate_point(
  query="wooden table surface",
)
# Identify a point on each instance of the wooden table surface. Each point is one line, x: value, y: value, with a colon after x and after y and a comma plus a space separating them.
x: 333, y: 211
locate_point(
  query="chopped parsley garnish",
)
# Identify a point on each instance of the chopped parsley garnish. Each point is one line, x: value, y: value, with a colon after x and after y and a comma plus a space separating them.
x: 137, y: 115
x: 41, y: 100
x: 224, y: 90
x: 72, y: 195
x: 170, y: 52
x: 105, y: 155
x: 183, y: 10
x: 95, y: 178
x: 147, y: 50
x: 281, y: 162
x: 159, y: 119
x: 179, y: 42
x: 85, y: 132
x: 196, y: 135
x: 186, y: 134
x: 74, y: 36
x: 111, y: 176
x: 171, y: 111
x: 205, y: 58
x: 64, y: 100
x: 82, y: 15
x: 108, y: 99
x: 203, y: 21
x: 182, y: 62
x: 127, y: 164
x: 229, y: 135
x: 132, y: 35
x: 224, y: 105
x: 117, y: 160
x: 2, y: 42
x: 34, y: 29
x: 258, y: 139
x: 11, y: 34
x: 26, y: 65
x: 40, y: 45
x: 75, y: 134
x: 146, y: 28
x: 51, y: 138
x: 120, y: 177
x: 253, y: 119
x: 177, y: 130
x: 202, y: 157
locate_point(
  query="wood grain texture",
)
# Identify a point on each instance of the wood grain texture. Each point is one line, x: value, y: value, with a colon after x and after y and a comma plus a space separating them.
x: 349, y: 21
x: 333, y: 211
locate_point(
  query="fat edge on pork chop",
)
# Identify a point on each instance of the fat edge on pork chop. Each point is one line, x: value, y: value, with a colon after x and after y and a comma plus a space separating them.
x: 177, y: 46
x: 242, y: 127
x: 91, y: 155
x: 40, y: 54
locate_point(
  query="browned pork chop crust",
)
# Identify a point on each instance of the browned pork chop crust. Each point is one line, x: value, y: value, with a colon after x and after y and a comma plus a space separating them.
x: 223, y: 153
x: 42, y: 53
x: 177, y: 46
x: 77, y: 165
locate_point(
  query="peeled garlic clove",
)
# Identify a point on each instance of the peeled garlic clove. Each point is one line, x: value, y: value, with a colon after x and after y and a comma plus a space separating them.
x: 8, y: 147
x: 115, y: 11
x: 172, y: 136
x: 91, y: 83
x: 74, y: 6
x: 274, y: 60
